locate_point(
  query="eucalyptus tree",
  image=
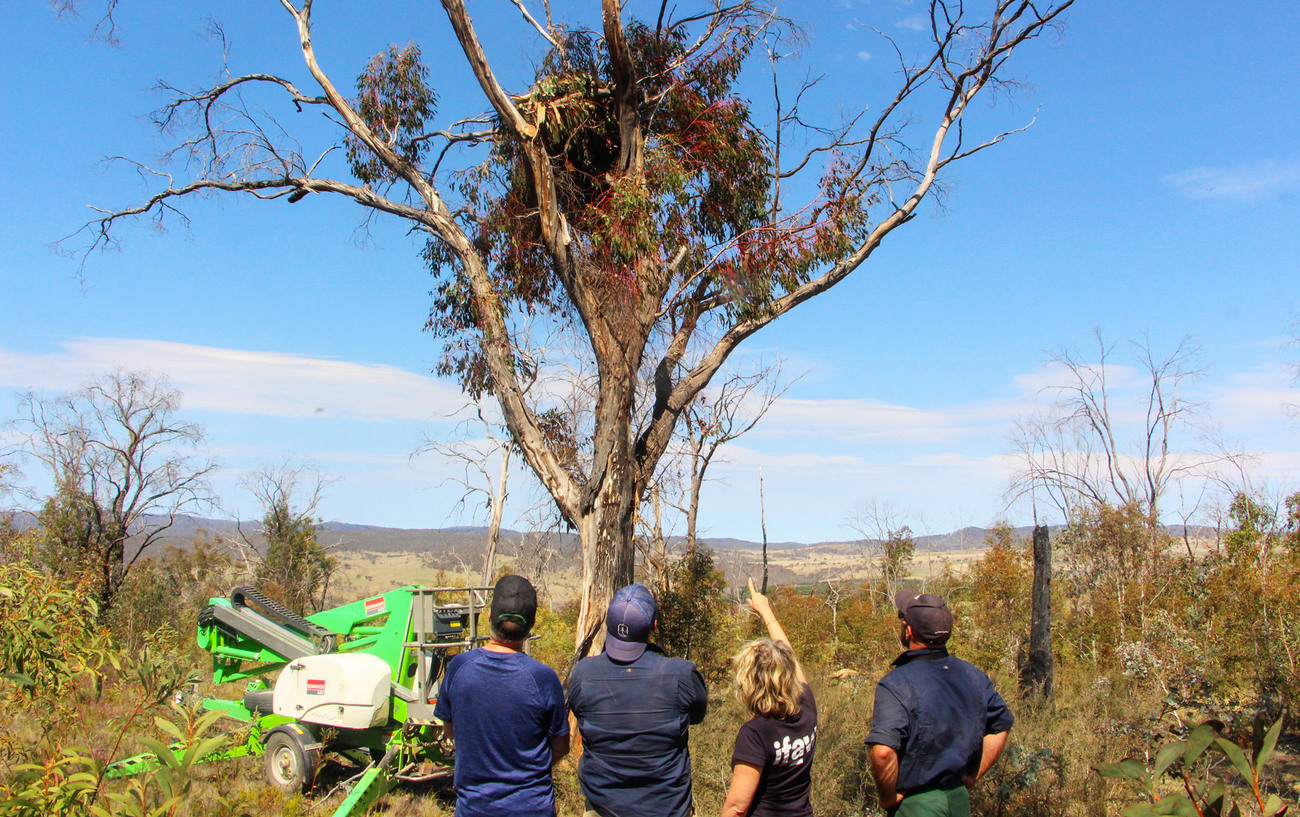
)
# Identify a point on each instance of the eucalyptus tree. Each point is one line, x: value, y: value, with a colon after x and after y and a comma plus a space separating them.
x: 627, y: 192
x: 124, y: 469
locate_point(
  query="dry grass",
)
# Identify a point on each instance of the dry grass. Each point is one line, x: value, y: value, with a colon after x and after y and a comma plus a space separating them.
x: 1099, y: 715
x: 362, y: 573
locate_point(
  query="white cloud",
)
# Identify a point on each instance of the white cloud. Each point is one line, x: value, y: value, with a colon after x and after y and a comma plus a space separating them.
x: 1246, y: 183
x: 739, y: 455
x: 860, y: 419
x: 864, y: 56
x: 1260, y: 397
x: 917, y: 22
x: 242, y: 382
x: 1047, y: 379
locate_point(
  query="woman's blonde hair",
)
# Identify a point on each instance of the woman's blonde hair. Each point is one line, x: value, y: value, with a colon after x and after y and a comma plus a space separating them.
x: 767, y: 680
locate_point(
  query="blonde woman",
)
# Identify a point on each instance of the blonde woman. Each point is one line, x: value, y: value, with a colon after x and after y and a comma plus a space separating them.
x: 771, y: 767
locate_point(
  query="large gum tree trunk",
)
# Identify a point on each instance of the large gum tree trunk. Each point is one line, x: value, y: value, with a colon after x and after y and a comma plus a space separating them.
x: 608, y: 554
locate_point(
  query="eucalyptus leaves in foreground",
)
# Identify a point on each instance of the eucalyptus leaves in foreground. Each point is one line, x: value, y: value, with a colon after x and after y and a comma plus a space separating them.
x: 1190, y: 763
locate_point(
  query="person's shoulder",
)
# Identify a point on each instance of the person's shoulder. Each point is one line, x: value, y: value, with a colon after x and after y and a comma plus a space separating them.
x: 680, y: 666
x: 755, y: 725
x: 967, y: 667
x: 590, y: 662
x: 460, y: 659
x: 542, y: 675
x: 894, y: 675
x: 806, y: 694
x: 587, y: 666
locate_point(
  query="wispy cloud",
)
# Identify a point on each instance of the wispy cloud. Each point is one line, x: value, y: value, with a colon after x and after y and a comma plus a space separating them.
x: 1262, y: 396
x: 242, y: 382
x: 864, y: 56
x: 861, y: 420
x: 1246, y: 183
x: 916, y: 22
x: 1047, y: 380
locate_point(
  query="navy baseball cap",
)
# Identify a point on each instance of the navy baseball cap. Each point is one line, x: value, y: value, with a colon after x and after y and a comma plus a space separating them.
x: 629, y: 622
x: 927, y: 615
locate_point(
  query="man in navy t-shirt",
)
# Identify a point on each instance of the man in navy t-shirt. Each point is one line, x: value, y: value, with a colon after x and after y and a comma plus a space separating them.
x: 634, y: 705
x: 506, y: 713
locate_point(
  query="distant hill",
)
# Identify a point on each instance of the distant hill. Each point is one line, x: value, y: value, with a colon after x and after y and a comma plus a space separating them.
x: 467, y: 542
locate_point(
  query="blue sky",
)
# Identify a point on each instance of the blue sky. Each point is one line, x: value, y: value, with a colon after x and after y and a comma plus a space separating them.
x: 1156, y: 194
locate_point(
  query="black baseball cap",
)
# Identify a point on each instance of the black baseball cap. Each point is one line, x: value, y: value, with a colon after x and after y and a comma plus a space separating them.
x: 927, y: 615
x: 629, y: 622
x: 514, y: 599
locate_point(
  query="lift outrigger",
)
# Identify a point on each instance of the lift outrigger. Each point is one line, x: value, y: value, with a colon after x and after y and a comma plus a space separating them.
x: 359, y: 680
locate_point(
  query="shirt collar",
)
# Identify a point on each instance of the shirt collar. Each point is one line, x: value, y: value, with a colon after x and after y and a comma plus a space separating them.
x: 927, y: 654
x: 649, y: 647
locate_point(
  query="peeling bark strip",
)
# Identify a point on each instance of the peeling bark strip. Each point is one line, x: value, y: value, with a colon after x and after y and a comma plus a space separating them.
x: 630, y: 201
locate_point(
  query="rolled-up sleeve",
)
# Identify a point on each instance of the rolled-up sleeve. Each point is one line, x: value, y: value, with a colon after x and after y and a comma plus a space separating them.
x: 691, y: 686
x: 888, y: 720
x: 998, y: 717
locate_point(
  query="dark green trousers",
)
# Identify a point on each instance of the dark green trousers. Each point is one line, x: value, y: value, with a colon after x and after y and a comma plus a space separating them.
x: 934, y: 803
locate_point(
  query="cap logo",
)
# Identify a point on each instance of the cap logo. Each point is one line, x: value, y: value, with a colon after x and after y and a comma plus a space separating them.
x: 622, y: 631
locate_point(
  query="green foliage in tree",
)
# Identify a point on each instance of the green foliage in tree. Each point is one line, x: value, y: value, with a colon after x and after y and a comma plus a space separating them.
x: 1250, y: 590
x: 705, y: 183
x: 296, y: 569
x: 394, y: 101
x: 161, y: 599
x: 693, y: 612
x: 994, y: 618
x: 895, y: 555
x: 77, y: 538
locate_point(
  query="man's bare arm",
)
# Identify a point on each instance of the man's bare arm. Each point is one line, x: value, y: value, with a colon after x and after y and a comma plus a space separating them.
x: 559, y: 748
x: 992, y: 750
x: 884, y: 769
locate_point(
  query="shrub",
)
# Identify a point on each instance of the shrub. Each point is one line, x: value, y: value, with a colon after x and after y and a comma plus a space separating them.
x: 48, y: 634
x: 1200, y: 791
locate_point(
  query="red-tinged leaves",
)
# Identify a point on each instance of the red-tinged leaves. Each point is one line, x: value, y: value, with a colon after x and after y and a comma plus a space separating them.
x: 703, y: 192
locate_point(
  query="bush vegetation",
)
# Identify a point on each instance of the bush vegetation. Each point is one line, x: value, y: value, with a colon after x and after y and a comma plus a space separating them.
x: 1151, y: 638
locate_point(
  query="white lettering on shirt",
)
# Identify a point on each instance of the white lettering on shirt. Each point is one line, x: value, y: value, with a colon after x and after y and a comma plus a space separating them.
x: 793, y: 752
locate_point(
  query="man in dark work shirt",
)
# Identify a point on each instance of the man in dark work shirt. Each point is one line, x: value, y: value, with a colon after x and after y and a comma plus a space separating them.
x: 634, y: 705
x: 938, y: 724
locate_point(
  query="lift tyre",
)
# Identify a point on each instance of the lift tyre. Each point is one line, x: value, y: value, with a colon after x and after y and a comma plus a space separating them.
x: 292, y: 758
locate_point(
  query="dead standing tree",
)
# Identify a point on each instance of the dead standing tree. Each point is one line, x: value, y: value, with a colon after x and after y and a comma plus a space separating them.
x: 478, y: 452
x: 628, y: 193
x: 716, y: 417
x: 1084, y: 451
x: 1090, y: 451
x: 122, y: 469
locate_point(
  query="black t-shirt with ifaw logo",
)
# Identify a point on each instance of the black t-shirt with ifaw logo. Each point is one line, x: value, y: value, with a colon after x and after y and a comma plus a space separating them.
x: 784, y: 749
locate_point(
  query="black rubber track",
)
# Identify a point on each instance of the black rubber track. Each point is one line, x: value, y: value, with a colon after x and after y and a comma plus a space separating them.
x: 241, y: 596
